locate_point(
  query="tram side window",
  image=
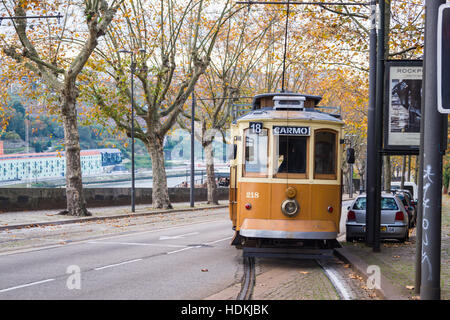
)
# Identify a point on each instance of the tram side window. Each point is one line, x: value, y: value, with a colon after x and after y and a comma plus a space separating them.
x: 256, y: 153
x: 291, y: 156
x: 325, y: 155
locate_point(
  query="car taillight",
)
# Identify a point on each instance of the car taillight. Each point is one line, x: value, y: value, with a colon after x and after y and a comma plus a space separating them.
x: 351, y: 215
x: 399, y: 216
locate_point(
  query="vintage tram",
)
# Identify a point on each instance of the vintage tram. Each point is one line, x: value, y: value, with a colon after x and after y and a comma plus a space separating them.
x: 285, y: 176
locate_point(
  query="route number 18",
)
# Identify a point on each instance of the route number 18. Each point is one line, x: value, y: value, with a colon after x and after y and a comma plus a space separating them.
x: 256, y: 127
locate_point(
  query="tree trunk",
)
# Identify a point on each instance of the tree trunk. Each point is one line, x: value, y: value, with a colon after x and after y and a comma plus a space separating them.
x: 402, y: 181
x: 416, y: 171
x: 211, y: 178
x: 76, y: 205
x: 160, y: 193
x: 409, y: 168
x: 387, y: 173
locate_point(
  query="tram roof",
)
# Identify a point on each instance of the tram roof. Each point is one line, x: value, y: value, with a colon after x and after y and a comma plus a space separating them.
x: 259, y: 99
x: 271, y: 114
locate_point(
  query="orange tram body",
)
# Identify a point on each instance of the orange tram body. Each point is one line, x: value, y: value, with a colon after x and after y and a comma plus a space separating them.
x: 285, y: 177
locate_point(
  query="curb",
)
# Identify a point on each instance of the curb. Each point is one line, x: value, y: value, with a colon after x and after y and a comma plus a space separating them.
x: 120, y: 216
x: 387, y: 291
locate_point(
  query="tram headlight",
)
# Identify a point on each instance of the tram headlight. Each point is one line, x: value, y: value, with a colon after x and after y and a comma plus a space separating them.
x: 290, y: 207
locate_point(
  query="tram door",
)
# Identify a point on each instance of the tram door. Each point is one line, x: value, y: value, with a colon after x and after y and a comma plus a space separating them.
x: 233, y: 186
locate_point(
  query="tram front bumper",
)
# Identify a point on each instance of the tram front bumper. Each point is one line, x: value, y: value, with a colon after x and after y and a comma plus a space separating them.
x: 288, y: 229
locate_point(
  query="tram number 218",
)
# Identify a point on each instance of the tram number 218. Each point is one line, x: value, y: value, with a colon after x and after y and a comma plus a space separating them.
x: 252, y: 195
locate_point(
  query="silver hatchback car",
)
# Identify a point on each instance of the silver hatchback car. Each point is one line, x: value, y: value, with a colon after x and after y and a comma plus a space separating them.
x: 394, y: 219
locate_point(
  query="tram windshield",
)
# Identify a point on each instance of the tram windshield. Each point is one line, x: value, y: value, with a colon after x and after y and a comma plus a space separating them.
x: 291, y: 155
x: 256, y: 153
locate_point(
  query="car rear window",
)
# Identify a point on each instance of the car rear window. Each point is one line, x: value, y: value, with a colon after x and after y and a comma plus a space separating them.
x: 360, y: 204
x: 386, y: 204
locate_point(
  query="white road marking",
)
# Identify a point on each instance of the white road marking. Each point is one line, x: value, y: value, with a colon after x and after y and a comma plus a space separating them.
x: 177, y: 237
x: 26, y: 285
x: 108, y: 237
x: 188, y: 248
x: 212, y: 242
x: 194, y: 247
x: 117, y: 264
x: 138, y: 244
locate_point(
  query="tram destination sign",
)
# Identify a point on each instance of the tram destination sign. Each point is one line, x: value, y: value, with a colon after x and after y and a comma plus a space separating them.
x: 291, y: 131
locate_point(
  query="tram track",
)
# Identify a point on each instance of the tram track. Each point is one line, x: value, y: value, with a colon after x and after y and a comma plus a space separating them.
x: 249, y: 279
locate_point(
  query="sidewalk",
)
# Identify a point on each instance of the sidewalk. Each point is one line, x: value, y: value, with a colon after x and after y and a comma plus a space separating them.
x: 397, y: 261
x: 24, y: 219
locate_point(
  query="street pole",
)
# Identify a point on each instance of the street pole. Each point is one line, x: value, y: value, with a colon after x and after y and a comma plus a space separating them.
x: 133, y: 67
x: 371, y: 145
x: 351, y: 181
x: 132, y: 70
x: 418, y: 264
x: 378, y: 126
x: 432, y: 164
x: 192, y: 151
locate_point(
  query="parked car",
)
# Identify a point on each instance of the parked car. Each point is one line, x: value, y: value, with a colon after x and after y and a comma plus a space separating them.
x: 408, y: 185
x: 409, y: 204
x: 394, y: 218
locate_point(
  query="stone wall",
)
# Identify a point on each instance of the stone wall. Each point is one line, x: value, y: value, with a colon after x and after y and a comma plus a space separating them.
x: 23, y: 199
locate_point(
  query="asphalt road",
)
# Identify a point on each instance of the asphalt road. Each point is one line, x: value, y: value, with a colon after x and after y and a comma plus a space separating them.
x: 173, y: 256
x: 185, y: 262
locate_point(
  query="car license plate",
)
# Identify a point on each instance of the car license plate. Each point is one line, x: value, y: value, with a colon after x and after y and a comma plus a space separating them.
x: 382, y: 229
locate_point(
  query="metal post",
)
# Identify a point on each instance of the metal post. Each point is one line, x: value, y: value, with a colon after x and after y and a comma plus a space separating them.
x: 432, y: 164
x: 351, y: 182
x: 378, y: 127
x: 133, y: 67
x: 371, y: 145
x: 192, y: 150
x: 418, y: 268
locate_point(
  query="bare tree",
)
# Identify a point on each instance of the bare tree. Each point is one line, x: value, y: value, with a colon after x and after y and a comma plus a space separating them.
x: 178, y: 47
x: 60, y: 75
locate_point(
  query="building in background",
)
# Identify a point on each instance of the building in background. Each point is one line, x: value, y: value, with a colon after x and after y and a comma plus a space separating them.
x: 23, y: 166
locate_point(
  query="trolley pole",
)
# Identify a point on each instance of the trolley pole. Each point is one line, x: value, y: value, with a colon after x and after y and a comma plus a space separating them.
x: 192, y: 151
x: 432, y: 163
x: 371, y: 145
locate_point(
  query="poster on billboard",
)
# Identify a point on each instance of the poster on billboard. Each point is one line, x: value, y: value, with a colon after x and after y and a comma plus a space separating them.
x: 403, y: 102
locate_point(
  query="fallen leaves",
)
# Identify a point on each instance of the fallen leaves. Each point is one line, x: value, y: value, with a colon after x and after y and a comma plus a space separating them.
x: 410, y: 287
x: 355, y: 276
x: 204, y: 270
x: 304, y: 272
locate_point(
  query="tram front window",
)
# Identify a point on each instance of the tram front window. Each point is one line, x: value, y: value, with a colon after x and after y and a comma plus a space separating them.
x: 291, y: 156
x: 256, y: 153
